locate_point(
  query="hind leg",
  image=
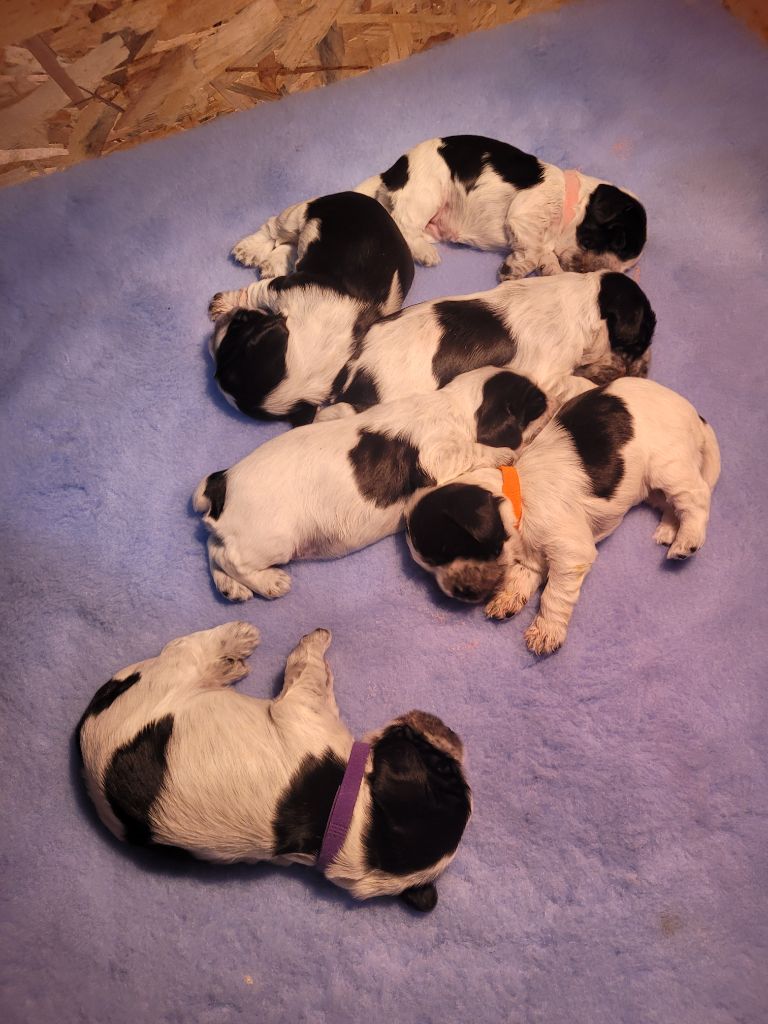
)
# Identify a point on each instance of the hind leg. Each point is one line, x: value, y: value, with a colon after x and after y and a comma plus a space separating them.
x: 218, y: 655
x: 688, y: 497
x: 308, y: 676
x: 258, y: 249
x: 237, y: 582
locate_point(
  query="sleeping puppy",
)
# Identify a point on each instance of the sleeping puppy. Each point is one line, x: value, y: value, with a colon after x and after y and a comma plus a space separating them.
x: 352, y: 266
x: 492, y: 532
x: 324, y: 490
x: 597, y: 325
x: 172, y: 757
x: 488, y: 194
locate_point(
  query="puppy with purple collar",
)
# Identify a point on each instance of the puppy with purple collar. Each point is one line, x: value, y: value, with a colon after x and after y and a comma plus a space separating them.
x: 327, y: 489
x: 488, y: 194
x: 172, y: 756
x: 497, y: 536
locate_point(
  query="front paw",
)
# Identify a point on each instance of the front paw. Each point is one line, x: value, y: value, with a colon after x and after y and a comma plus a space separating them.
x: 425, y: 253
x: 543, y: 637
x: 238, y: 639
x: 252, y: 250
x: 512, y: 270
x: 218, y: 306
x: 505, y: 604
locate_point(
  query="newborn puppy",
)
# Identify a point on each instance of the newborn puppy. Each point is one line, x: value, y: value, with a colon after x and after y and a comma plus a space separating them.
x: 280, y: 354
x: 607, y: 450
x: 485, y: 193
x: 172, y: 757
x: 598, y: 325
x: 324, y: 490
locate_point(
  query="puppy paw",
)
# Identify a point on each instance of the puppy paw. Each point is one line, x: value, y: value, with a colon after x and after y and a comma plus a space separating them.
x: 543, y: 637
x: 252, y: 250
x: 230, y: 588
x: 505, y: 604
x: 220, y: 304
x: 276, y: 265
x: 511, y: 271
x: 665, y: 533
x: 425, y: 253
x: 321, y: 637
x: 334, y: 412
x: 270, y: 583
x: 682, y: 549
x: 238, y: 640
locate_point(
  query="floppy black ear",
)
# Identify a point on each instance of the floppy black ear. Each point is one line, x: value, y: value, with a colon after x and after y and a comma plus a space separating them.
x: 609, y: 204
x: 457, y: 521
x: 250, y: 360
x: 421, y: 897
x: 613, y: 220
x: 627, y: 313
x: 510, y: 402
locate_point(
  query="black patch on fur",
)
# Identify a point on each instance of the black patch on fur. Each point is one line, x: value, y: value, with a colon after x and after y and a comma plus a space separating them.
x: 362, y: 325
x: 613, y: 222
x: 420, y: 803
x: 216, y: 492
x: 250, y: 361
x: 457, y: 521
x: 339, y: 381
x: 135, y: 777
x: 600, y: 425
x: 359, y: 248
x: 105, y: 697
x: 421, y: 897
x: 387, y: 469
x: 467, y: 155
x: 627, y: 313
x: 702, y: 418
x: 397, y: 176
x: 304, y: 808
x: 361, y: 392
x: 301, y: 413
x: 473, y: 335
x: 510, y: 402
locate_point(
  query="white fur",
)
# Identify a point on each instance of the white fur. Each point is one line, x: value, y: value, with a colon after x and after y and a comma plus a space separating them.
x: 672, y: 461
x: 231, y: 757
x: 297, y: 497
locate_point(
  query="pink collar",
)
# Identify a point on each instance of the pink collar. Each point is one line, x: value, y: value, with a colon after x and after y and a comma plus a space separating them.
x: 571, y: 197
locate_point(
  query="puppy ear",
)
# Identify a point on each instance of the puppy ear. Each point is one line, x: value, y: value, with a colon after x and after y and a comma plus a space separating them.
x: 509, y: 403
x: 627, y: 314
x: 421, y: 897
x: 609, y: 203
x: 250, y: 359
x: 456, y: 521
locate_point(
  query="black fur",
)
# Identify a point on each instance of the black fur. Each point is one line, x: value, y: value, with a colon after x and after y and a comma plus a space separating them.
x: 303, y: 810
x: 600, y: 425
x: 467, y: 155
x: 135, y: 777
x: 359, y: 247
x: 301, y: 413
x: 216, y: 492
x: 420, y: 803
x: 250, y: 361
x: 613, y: 222
x: 396, y: 177
x: 105, y: 697
x: 361, y: 392
x: 473, y: 335
x: 627, y: 313
x: 457, y: 521
x: 339, y: 382
x: 421, y: 897
x: 386, y: 469
x: 510, y: 402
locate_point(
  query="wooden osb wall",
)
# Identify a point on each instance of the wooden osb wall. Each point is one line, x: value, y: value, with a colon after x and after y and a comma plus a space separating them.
x: 82, y: 78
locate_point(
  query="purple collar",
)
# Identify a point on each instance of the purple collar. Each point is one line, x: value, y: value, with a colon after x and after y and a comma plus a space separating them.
x: 343, y: 805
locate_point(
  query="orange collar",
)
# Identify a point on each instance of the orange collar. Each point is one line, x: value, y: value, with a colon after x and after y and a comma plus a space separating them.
x: 510, y: 487
x: 570, y: 197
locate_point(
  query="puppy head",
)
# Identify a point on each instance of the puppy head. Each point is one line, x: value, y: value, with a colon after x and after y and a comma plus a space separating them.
x: 249, y: 347
x: 456, y: 532
x: 611, y: 234
x: 420, y: 804
x: 510, y: 410
x: 629, y: 324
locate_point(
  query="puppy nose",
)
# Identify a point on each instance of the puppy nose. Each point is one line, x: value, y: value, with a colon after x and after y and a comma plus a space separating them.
x: 466, y: 593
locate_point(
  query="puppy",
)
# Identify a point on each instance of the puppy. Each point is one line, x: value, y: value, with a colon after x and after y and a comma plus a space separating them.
x: 352, y: 265
x: 598, y: 325
x: 607, y: 450
x: 172, y: 757
x: 324, y: 490
x: 488, y: 194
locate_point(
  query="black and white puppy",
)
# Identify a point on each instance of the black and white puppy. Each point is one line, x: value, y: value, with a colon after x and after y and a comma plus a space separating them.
x: 597, y: 325
x: 488, y: 194
x: 172, y: 757
x: 324, y: 490
x: 352, y: 266
x: 605, y: 451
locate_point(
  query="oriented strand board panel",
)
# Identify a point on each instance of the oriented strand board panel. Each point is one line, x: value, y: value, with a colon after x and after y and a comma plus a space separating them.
x: 81, y: 78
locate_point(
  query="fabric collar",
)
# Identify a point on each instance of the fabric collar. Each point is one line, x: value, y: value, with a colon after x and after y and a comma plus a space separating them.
x: 340, y: 817
x: 571, y: 197
x: 510, y: 487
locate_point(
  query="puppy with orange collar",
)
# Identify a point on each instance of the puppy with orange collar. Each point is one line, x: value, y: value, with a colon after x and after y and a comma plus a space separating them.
x: 497, y: 536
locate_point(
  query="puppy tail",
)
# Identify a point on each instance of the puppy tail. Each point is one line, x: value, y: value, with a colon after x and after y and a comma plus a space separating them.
x: 710, y: 456
x: 210, y: 496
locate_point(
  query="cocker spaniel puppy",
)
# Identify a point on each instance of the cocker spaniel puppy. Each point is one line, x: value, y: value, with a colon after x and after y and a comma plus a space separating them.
x: 173, y: 757
x: 496, y: 535
x: 329, y: 268
x: 324, y: 490
x: 488, y: 194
